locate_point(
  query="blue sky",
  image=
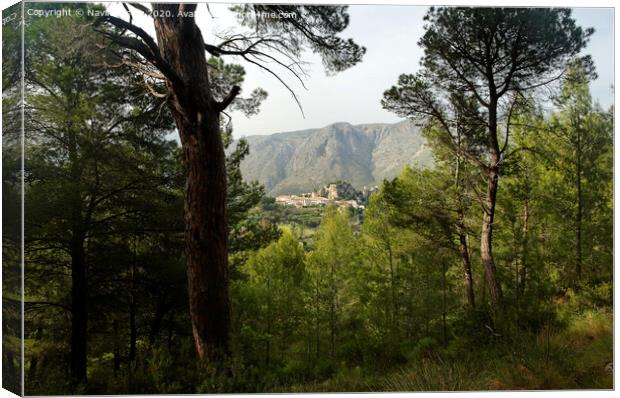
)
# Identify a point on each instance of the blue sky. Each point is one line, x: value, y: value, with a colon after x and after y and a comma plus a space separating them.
x: 390, y: 34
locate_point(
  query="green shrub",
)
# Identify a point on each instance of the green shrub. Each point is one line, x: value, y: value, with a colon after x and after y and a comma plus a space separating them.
x: 425, y: 348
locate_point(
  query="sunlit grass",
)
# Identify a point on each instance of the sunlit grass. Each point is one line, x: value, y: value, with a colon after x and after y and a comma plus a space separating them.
x: 578, y: 356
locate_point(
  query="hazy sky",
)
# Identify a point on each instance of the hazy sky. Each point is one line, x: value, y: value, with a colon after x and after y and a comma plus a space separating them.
x: 390, y: 34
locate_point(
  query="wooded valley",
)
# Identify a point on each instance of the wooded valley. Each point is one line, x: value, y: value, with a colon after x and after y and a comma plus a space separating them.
x: 153, y: 266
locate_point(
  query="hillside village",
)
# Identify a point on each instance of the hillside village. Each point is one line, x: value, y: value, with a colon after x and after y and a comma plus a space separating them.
x: 292, y: 163
x: 341, y: 194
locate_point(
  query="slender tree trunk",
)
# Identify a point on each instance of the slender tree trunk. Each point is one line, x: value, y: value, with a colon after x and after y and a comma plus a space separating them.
x: 268, y: 340
x: 486, y: 244
x: 516, y: 259
x: 32, y: 370
x: 525, y: 243
x: 486, y: 240
x: 160, y: 312
x: 309, y: 339
x: 412, y: 294
x: 197, y: 119
x: 484, y: 285
x: 318, y: 322
x: 427, y: 317
x: 332, y: 323
x: 460, y: 225
x: 117, y: 350
x: 332, y: 310
x: 579, y: 215
x: 133, y: 334
x: 79, y: 313
x: 469, y: 279
x: 170, y: 329
x: 392, y: 293
x: 34, y: 360
x: 488, y: 205
x: 444, y: 309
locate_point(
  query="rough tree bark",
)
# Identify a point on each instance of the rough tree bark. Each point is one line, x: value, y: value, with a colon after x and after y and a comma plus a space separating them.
x: 493, y: 172
x: 179, y: 55
x: 469, y: 279
x: 197, y: 115
x: 486, y: 244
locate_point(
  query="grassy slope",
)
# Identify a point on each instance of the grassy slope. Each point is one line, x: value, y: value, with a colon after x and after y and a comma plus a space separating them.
x: 576, y: 357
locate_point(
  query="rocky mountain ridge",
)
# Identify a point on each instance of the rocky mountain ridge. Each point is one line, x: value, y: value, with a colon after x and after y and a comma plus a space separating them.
x: 362, y: 155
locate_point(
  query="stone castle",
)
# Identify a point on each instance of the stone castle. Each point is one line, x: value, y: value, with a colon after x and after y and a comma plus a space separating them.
x: 339, y: 193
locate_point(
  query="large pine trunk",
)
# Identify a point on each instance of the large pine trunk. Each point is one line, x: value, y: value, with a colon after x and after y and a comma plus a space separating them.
x: 206, y: 240
x: 197, y: 119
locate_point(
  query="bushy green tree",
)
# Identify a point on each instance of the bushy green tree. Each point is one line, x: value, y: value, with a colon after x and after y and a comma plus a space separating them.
x: 582, y: 153
x: 477, y: 68
x: 269, y: 302
x: 333, y: 265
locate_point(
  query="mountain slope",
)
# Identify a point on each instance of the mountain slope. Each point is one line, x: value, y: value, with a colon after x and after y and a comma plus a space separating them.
x: 363, y: 155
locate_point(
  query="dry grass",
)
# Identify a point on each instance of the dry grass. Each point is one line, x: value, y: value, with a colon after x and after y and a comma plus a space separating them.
x: 575, y: 357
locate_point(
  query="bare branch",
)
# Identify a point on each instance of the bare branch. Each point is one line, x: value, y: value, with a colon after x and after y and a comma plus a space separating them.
x: 545, y: 83
x: 521, y: 149
x: 461, y: 76
x: 120, y: 23
x: 129, y: 13
x: 231, y: 46
x: 258, y: 54
x: 145, y: 47
x: 228, y: 99
x: 140, y: 7
x: 31, y: 305
x: 508, y: 123
x: 281, y: 81
x: 154, y: 92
